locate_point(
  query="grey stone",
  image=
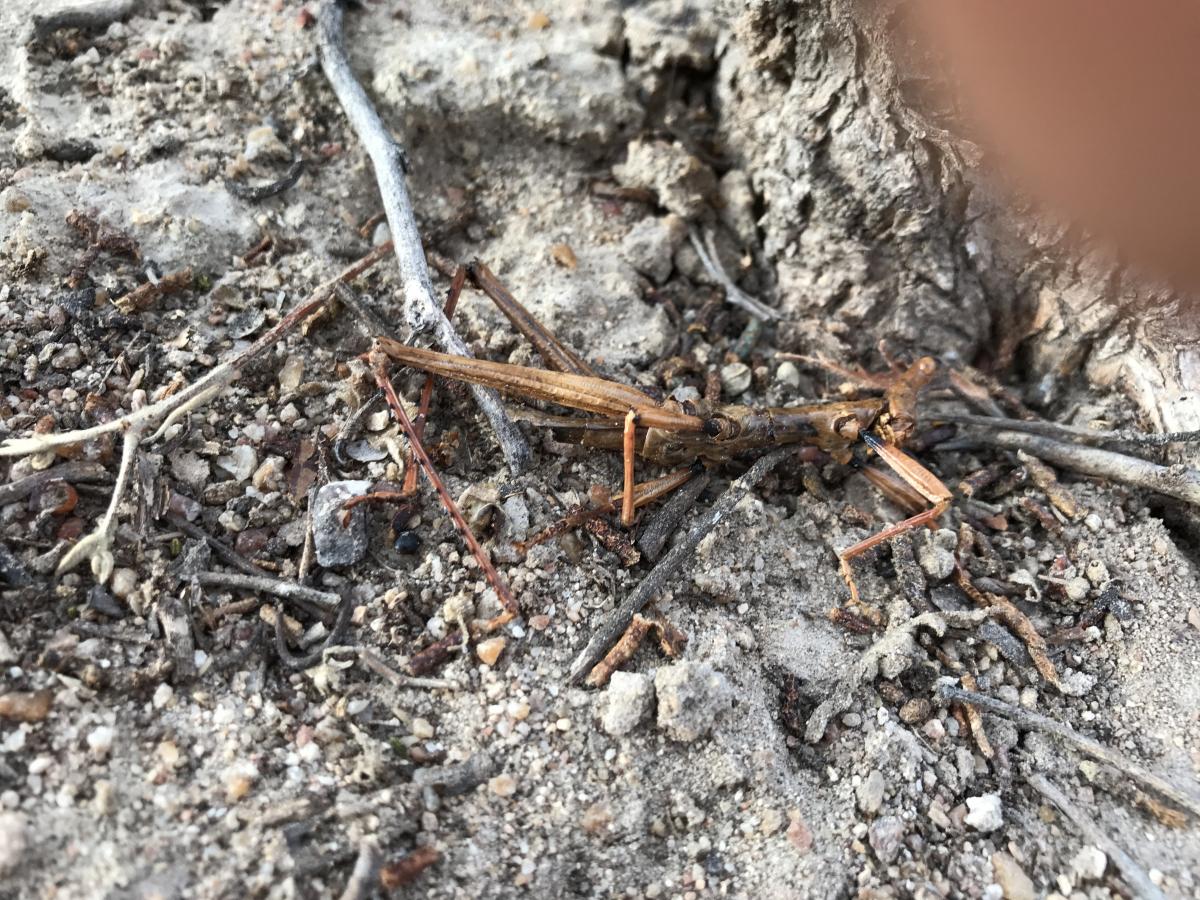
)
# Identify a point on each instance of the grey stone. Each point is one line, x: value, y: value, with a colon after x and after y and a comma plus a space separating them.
x: 337, y: 544
x: 886, y: 836
x: 650, y: 246
x: 870, y: 793
x: 691, y: 697
x: 627, y: 702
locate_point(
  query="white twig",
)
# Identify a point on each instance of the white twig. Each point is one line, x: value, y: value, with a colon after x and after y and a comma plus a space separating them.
x: 187, y: 399
x: 95, y: 547
x: 733, y: 293
x: 423, y: 312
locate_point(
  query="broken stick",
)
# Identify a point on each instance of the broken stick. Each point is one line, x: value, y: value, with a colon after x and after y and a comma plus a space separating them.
x: 610, y: 630
x: 422, y: 311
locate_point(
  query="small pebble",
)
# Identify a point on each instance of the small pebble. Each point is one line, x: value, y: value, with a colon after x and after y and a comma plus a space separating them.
x: 489, y: 651
x: 25, y: 706
x: 985, y: 812
x: 104, y: 797
x: 1014, y: 883
x: 934, y: 729
x: 422, y: 729
x: 1093, y: 522
x: 1097, y: 573
x: 885, y: 836
x: 13, y: 830
x: 100, y: 740
x: 1077, y: 589
x: 691, y: 697
x: 787, y: 374
x: 870, y: 793
x: 915, y: 710
x: 736, y: 378
x: 503, y: 785
x: 240, y: 462
x: 626, y: 702
x: 1089, y: 864
x: 772, y: 821
x: 124, y: 582
x: 163, y: 695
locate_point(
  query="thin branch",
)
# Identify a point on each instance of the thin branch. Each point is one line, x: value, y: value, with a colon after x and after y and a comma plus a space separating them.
x: 422, y: 311
x: 1090, y: 436
x: 227, y: 555
x: 76, y: 472
x: 610, y: 630
x: 1032, y: 721
x: 364, y: 879
x: 90, y: 16
x: 733, y: 293
x: 95, y: 547
x: 284, y: 589
x: 1135, y: 875
x: 171, y: 408
x: 1178, y: 482
x: 373, y: 662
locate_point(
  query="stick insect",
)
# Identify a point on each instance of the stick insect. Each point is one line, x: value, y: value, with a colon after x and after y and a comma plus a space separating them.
x: 674, y: 433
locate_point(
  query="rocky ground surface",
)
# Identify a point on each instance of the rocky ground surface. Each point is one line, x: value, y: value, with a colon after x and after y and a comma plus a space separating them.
x: 152, y: 741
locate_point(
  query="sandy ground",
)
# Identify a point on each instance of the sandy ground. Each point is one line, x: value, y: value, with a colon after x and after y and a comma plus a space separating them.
x: 196, y: 764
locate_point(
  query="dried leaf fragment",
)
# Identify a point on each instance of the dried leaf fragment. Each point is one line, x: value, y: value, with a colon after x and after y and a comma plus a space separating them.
x: 562, y: 253
x: 25, y: 706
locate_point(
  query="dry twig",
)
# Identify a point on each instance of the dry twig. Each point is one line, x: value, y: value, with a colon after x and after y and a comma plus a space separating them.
x: 1173, y: 481
x: 614, y: 625
x: 1031, y: 721
x: 285, y: 590
x: 1134, y: 875
x: 421, y: 310
x: 707, y: 251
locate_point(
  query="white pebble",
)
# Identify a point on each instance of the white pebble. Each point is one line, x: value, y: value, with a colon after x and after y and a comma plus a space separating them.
x: 163, y: 695
x: 100, y: 740
x: 984, y: 813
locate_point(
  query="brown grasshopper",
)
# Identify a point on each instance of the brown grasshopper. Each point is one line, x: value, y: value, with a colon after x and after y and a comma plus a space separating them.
x: 669, y: 432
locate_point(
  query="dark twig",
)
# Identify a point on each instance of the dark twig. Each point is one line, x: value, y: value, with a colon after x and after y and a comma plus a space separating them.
x: 1135, y: 875
x: 420, y: 308
x: 1090, y: 436
x: 610, y: 630
x: 226, y: 554
x: 667, y: 520
x: 90, y: 16
x: 71, y: 472
x: 1178, y: 482
x: 284, y: 589
x: 258, y: 192
x: 1032, y: 721
x: 340, y: 626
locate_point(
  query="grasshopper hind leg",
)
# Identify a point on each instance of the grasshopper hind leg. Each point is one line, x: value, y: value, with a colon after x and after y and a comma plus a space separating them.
x: 916, y: 476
